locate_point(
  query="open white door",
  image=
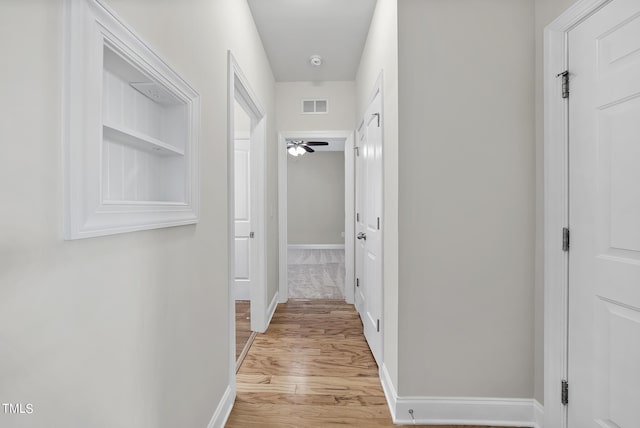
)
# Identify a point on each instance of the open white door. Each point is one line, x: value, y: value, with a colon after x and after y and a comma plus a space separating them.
x: 244, y: 208
x: 604, y: 220
x: 369, y: 227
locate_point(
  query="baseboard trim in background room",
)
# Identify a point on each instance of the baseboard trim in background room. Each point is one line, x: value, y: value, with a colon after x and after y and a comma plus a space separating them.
x: 315, y: 246
x: 505, y: 412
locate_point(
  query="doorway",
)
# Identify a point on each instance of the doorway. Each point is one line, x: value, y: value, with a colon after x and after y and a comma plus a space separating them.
x: 298, y: 255
x: 246, y: 215
x: 244, y: 221
x: 592, y: 298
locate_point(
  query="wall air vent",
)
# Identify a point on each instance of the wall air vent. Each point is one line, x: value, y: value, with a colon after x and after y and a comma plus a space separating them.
x: 315, y: 106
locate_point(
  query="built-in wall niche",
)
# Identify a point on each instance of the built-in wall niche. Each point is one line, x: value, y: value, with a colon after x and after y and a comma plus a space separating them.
x: 144, y: 136
x: 131, y: 130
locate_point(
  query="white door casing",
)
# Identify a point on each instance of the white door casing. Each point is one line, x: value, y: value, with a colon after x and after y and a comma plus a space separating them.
x: 369, y: 226
x: 604, y: 219
x: 245, y: 201
x: 240, y: 91
x: 359, y: 206
x: 556, y: 207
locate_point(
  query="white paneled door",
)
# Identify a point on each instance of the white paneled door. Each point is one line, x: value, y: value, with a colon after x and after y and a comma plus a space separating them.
x: 604, y: 255
x: 245, y: 257
x: 369, y: 226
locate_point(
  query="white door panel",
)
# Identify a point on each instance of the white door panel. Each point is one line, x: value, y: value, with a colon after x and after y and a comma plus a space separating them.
x: 243, y: 259
x: 369, y: 228
x: 242, y: 184
x: 604, y: 258
x: 243, y: 217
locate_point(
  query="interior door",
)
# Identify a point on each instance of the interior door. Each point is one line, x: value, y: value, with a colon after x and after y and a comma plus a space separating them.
x: 243, y: 213
x: 604, y: 221
x: 369, y: 227
x: 360, y: 227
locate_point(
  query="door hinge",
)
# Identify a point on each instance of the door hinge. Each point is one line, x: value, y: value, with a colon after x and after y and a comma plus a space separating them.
x: 357, y: 216
x: 378, y: 325
x: 357, y: 149
x: 565, y: 239
x: 378, y: 223
x: 378, y: 116
x: 357, y: 282
x: 565, y: 83
x: 252, y: 235
x: 564, y: 392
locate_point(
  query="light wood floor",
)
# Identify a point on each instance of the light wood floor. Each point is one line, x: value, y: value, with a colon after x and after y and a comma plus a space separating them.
x: 311, y: 369
x: 243, y: 325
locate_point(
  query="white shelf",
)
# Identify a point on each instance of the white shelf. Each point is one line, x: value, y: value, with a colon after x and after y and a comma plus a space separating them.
x: 139, y: 140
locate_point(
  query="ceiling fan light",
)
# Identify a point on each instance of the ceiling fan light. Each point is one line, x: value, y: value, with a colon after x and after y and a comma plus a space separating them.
x: 300, y: 150
x: 292, y: 151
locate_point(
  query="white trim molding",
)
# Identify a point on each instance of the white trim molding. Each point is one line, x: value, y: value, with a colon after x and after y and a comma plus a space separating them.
x: 556, y: 206
x: 503, y: 412
x: 220, y: 416
x: 271, y: 310
x: 315, y: 246
x: 239, y: 90
x: 390, y: 392
x: 349, y: 208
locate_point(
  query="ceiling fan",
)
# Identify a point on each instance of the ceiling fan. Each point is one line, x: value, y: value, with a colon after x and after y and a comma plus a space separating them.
x: 300, y: 147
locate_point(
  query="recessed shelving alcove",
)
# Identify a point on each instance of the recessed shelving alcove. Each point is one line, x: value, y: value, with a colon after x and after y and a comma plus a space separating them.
x: 131, y: 130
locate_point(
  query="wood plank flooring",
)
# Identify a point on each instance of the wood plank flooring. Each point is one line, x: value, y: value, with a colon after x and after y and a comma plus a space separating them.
x: 311, y: 369
x: 243, y: 325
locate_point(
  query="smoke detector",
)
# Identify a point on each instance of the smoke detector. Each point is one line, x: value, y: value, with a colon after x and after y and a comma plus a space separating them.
x: 315, y: 60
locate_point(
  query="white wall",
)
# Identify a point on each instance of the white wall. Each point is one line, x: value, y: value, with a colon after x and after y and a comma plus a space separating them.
x: 241, y: 121
x: 128, y: 330
x: 341, y: 115
x: 381, y: 54
x: 315, y: 198
x: 545, y: 12
x: 466, y: 198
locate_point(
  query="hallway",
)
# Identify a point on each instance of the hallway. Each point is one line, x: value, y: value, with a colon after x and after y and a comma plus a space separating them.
x: 312, y: 368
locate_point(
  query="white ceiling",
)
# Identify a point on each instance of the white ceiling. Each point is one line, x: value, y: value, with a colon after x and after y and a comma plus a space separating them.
x: 293, y: 30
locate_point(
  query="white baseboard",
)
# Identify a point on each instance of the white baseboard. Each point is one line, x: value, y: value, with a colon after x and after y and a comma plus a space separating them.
x: 271, y: 310
x: 504, y: 412
x: 242, y: 291
x: 219, y: 418
x: 389, y: 390
x: 315, y: 246
x: 538, y: 413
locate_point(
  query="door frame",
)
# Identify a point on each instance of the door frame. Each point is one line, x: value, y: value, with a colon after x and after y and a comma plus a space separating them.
x: 349, y: 208
x: 240, y: 90
x: 556, y: 207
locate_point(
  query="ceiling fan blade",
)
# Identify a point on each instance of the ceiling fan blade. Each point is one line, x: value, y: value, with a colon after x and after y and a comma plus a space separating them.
x: 316, y: 143
x: 308, y: 149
